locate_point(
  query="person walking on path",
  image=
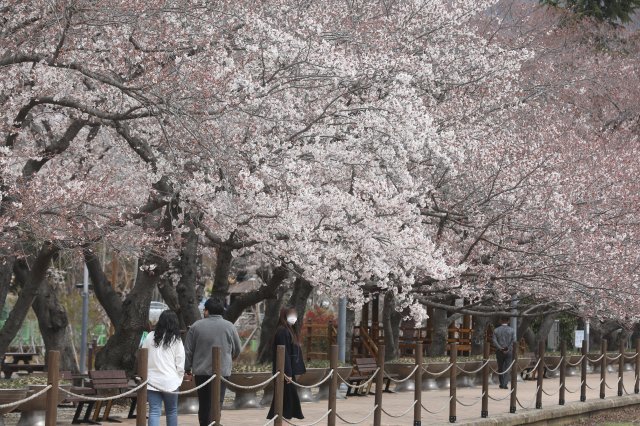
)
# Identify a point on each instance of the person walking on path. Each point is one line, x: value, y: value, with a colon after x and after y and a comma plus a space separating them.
x: 165, y: 368
x: 503, y: 339
x: 203, y: 335
x: 293, y: 363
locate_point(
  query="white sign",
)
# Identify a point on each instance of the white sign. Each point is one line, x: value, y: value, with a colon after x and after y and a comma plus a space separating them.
x: 579, y: 338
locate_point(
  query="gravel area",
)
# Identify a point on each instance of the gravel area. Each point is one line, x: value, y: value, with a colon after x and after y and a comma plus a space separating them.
x: 629, y: 416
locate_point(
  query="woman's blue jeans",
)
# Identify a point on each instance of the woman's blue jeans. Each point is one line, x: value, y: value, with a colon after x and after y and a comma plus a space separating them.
x: 155, y: 407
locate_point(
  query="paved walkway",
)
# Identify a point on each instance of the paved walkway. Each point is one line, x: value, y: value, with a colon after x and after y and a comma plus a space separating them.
x: 355, y: 408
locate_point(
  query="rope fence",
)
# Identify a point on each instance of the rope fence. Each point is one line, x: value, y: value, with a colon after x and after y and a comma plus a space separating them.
x: 27, y: 399
x: 554, y: 368
x: 397, y: 416
x: 324, y: 416
x: 184, y: 392
x: 362, y: 385
x: 432, y: 374
x: 493, y: 370
x: 409, y: 376
x: 106, y: 398
x: 438, y: 411
x: 359, y: 421
x: 252, y: 387
x: 327, y: 377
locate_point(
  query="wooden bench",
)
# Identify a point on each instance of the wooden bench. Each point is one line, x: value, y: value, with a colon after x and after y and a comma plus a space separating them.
x: 19, y: 362
x: 365, y: 367
x: 101, y: 383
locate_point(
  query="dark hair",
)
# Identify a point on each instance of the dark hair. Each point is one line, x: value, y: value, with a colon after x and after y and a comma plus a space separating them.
x: 504, y: 320
x: 214, y: 306
x: 167, y: 329
x: 282, y: 322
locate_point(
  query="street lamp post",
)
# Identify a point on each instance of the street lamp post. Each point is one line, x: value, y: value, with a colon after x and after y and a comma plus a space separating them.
x: 85, y: 320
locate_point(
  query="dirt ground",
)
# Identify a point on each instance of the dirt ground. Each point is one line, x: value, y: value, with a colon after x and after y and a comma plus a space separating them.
x: 624, y: 417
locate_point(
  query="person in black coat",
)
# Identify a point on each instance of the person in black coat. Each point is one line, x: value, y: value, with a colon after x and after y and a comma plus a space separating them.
x: 293, y: 363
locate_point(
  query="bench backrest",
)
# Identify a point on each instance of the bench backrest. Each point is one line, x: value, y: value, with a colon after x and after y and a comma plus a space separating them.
x: 108, y: 379
x: 366, y: 365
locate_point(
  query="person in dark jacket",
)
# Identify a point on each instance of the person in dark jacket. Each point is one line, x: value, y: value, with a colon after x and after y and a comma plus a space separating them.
x: 293, y: 363
x: 503, y: 339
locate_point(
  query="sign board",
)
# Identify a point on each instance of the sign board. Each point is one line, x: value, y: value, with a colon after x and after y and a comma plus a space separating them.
x: 579, y: 338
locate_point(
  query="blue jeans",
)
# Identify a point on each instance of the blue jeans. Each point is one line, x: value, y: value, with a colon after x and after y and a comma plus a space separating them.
x: 155, y: 407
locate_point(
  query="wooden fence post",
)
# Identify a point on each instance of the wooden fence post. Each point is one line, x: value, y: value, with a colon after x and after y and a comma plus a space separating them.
x: 333, y: 385
x: 563, y: 372
x: 603, y: 369
x: 514, y: 380
x: 216, y: 368
x: 484, y: 411
x: 540, y: 374
x: 453, y: 378
x: 621, y: 369
x: 636, y: 388
x: 377, y: 414
x: 278, y: 392
x: 417, y: 393
x: 141, y: 401
x: 53, y: 379
x: 583, y: 372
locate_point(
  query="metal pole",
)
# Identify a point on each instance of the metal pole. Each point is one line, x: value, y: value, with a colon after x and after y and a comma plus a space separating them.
x: 342, y: 329
x: 514, y: 319
x: 417, y: 394
x: 85, y: 321
x: 587, y: 331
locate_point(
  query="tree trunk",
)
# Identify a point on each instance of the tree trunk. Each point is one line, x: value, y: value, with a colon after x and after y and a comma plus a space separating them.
x: 221, y: 279
x: 170, y: 297
x: 348, y: 344
x: 391, y: 324
x: 186, y: 287
x: 479, y: 333
x: 545, y: 327
x: 120, y: 351
x: 267, y: 291
x: 33, y: 278
x: 269, y: 325
x: 106, y: 295
x: 440, y: 335
x: 6, y: 272
x: 301, y: 291
x: 54, y: 326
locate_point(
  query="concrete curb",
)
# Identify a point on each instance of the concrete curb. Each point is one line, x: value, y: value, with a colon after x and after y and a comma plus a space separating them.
x: 553, y: 415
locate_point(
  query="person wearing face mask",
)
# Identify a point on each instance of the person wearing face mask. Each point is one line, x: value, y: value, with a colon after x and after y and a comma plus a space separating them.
x: 287, y: 336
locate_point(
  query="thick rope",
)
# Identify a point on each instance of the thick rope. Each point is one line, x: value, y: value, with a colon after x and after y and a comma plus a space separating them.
x: 253, y: 387
x: 469, y: 405
x: 107, y: 398
x: 570, y: 391
x: 29, y: 398
x: 584, y: 382
x: 309, y: 424
x: 437, y: 374
x: 440, y: 410
x: 271, y: 420
x: 327, y: 377
x: 609, y: 387
x: 613, y: 358
x: 631, y: 357
x: 410, y: 375
x: 595, y: 360
x: 551, y: 394
x: 529, y: 406
x: 577, y: 363
x: 556, y: 367
x: 212, y: 423
x: 505, y: 371
x: 502, y: 399
x: 479, y: 369
x: 415, y: 401
x: 185, y: 392
x: 362, y: 385
x: 359, y: 421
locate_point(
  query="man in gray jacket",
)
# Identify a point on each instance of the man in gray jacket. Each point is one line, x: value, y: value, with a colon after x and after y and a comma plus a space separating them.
x: 212, y: 330
x: 503, y: 339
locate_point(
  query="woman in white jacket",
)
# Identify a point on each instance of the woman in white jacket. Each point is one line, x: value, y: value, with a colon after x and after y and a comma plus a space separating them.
x: 166, y: 368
